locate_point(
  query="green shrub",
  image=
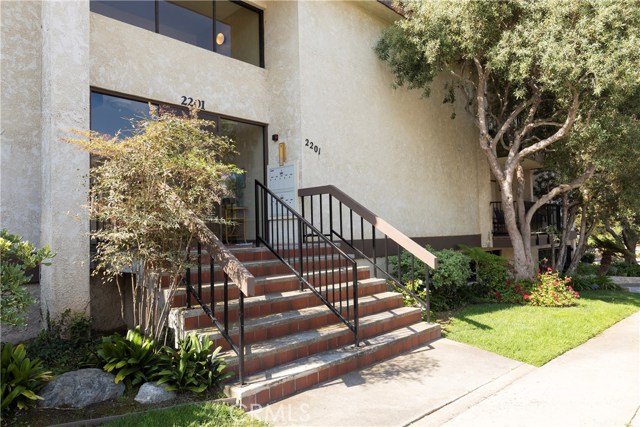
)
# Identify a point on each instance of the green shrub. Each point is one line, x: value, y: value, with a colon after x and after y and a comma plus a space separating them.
x: 16, y: 257
x: 625, y: 269
x: 491, y: 271
x: 192, y: 366
x: 66, y: 344
x: 550, y: 290
x: 586, y: 269
x: 21, y: 378
x: 448, y: 286
x: 512, y: 291
x: 589, y: 257
x: 593, y: 282
x: 133, y: 359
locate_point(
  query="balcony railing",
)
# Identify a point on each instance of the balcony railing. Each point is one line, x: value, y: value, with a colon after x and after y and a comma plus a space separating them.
x: 548, y: 215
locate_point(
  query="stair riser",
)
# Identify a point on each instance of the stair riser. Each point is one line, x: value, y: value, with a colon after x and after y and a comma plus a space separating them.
x: 262, y: 288
x: 345, y: 338
x: 275, y: 268
x: 292, y: 386
x: 293, y: 326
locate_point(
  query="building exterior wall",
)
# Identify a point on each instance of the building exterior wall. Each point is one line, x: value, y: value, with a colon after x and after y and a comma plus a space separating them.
x: 398, y: 154
x: 64, y: 225
x: 20, y: 116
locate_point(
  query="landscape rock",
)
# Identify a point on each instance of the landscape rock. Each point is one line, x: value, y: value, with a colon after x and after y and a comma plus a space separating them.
x: 153, y: 393
x: 77, y: 389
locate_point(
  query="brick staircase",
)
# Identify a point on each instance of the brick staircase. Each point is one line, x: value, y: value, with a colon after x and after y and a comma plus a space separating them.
x: 292, y: 340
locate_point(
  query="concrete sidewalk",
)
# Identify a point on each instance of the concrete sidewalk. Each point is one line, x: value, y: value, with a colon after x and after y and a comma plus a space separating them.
x: 595, y: 384
x: 453, y: 384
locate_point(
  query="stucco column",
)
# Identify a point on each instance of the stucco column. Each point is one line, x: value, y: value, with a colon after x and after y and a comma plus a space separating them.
x: 65, y: 105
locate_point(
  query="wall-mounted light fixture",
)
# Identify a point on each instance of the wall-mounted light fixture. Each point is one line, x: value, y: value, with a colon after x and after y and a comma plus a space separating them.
x: 220, y: 39
x: 282, y: 153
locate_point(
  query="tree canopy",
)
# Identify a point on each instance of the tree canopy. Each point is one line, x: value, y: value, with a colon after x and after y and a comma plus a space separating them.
x: 531, y: 74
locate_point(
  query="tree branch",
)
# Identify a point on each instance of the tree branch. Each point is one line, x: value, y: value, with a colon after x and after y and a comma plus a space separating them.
x: 560, y: 189
x: 560, y: 133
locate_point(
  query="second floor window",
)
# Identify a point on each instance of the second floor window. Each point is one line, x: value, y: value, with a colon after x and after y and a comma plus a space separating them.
x: 229, y: 28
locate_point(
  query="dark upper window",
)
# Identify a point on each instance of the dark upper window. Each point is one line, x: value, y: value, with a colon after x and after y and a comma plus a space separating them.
x: 113, y: 115
x: 230, y: 28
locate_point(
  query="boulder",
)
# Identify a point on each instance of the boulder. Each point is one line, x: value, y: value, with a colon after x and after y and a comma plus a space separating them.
x: 153, y: 393
x: 77, y: 389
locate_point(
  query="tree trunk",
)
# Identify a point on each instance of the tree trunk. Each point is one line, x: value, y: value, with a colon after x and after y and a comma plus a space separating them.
x: 522, y: 263
x: 630, y: 240
x: 605, y: 262
x: 584, y: 233
x: 568, y: 218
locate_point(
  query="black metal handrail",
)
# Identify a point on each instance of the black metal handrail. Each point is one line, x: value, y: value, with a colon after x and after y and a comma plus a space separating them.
x: 233, y: 269
x: 209, y: 307
x: 546, y: 216
x: 320, y: 265
x: 378, y: 239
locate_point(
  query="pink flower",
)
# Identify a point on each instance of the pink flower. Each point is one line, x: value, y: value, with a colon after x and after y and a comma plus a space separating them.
x: 526, y: 296
x: 549, y: 269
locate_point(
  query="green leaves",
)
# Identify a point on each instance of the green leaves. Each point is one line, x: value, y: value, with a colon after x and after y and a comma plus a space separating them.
x: 17, y: 256
x: 20, y: 377
x: 193, y: 366
x: 135, y: 359
x: 132, y: 359
x: 141, y: 231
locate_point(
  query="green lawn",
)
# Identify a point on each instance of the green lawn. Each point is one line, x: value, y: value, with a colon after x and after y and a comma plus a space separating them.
x: 536, y: 335
x: 194, y: 415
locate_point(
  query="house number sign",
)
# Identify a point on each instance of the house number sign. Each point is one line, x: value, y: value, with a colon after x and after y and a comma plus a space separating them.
x: 190, y: 102
x: 312, y: 146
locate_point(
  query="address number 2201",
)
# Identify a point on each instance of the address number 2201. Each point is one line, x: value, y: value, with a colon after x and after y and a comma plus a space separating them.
x: 190, y: 102
x: 312, y: 146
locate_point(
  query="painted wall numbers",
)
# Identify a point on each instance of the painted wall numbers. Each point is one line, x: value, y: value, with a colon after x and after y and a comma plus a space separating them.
x: 312, y: 146
x: 190, y: 102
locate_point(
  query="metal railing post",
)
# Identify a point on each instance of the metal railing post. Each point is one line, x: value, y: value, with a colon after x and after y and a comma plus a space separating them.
x: 241, y: 338
x: 428, y: 297
x: 356, y: 319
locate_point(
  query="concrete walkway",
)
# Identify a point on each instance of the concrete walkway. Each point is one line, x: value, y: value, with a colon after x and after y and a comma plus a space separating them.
x: 453, y: 384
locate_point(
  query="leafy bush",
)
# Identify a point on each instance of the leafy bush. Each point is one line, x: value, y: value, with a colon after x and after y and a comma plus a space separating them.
x: 145, y: 233
x: 21, y: 378
x: 593, y: 282
x: 552, y: 291
x: 589, y: 257
x: 586, y: 269
x: 512, y: 291
x: 491, y: 271
x: 133, y: 359
x: 16, y: 257
x: 192, y: 366
x: 625, y: 269
x: 66, y: 344
x: 448, y: 283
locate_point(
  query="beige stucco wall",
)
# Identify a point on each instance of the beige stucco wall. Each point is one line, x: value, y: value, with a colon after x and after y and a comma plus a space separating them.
x: 20, y: 132
x: 134, y: 61
x: 400, y: 155
x: 282, y: 61
x: 64, y: 225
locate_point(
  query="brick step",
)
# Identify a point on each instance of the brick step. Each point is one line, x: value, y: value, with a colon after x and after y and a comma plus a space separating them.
x: 264, y: 285
x: 265, y: 355
x: 279, y: 302
x: 246, y: 253
x: 281, y: 324
x: 284, y: 380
